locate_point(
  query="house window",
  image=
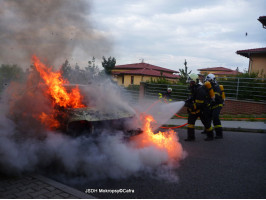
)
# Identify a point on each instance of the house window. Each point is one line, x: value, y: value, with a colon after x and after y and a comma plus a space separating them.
x: 132, y: 80
x: 123, y: 79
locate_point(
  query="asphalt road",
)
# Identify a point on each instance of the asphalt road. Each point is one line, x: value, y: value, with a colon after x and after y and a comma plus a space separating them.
x: 234, y: 167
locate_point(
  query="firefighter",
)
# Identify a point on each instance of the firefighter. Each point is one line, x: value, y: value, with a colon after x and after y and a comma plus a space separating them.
x: 166, y: 95
x: 216, y: 105
x: 198, y: 106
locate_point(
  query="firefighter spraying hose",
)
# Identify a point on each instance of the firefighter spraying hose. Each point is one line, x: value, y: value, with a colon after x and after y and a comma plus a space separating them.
x: 198, y: 106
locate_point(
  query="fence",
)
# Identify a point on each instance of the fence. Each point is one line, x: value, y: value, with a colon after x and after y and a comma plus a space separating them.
x: 179, y: 92
x: 249, y: 89
x: 132, y: 94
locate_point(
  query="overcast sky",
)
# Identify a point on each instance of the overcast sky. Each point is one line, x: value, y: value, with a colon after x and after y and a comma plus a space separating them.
x: 166, y: 32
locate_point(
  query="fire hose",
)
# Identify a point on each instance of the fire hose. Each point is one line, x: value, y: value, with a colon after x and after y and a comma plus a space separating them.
x: 186, y: 117
x: 154, y: 103
x: 174, y: 126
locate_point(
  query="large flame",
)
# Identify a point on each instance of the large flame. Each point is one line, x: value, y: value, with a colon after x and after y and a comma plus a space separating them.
x: 165, y: 141
x: 57, y: 92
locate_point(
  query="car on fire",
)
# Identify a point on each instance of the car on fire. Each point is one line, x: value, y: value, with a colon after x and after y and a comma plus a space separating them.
x: 91, y: 120
x: 78, y: 109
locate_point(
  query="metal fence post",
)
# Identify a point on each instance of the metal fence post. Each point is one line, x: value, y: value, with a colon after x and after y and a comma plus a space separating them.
x: 141, y: 90
x: 237, y: 88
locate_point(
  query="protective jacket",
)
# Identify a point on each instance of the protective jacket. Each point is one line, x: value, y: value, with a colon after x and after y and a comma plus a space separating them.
x: 190, y: 102
x: 199, y: 98
x: 219, y: 101
x: 165, y: 95
x: 198, y: 105
x: 216, y: 109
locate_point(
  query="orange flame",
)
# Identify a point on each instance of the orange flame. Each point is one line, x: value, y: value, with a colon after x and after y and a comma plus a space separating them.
x: 60, y: 96
x: 49, y: 121
x: 57, y: 91
x: 166, y: 141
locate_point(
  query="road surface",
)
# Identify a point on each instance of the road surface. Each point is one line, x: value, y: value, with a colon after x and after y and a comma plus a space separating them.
x: 234, y: 167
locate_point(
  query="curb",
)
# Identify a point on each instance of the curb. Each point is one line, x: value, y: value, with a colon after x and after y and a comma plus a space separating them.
x: 245, y: 130
x: 239, y: 129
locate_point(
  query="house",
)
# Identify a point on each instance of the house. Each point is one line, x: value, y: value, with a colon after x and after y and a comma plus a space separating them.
x: 133, y: 74
x: 218, y: 71
x: 257, y: 57
x: 257, y: 60
x: 262, y: 19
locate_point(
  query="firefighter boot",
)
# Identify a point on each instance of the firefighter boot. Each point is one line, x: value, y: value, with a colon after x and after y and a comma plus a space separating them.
x: 190, y: 135
x: 219, y: 133
x: 209, y: 136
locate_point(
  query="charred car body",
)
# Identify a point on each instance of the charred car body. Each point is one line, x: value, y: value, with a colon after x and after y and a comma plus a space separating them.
x: 92, y: 120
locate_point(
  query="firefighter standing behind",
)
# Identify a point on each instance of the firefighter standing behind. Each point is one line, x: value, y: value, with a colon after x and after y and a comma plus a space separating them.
x: 166, y: 96
x: 216, y: 105
x: 198, y: 105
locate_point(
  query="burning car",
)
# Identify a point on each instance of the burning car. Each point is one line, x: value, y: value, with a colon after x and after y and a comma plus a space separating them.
x: 75, y: 110
x: 92, y: 120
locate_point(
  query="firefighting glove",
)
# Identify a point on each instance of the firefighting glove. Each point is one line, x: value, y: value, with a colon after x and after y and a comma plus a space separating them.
x: 187, y: 103
x: 212, y: 103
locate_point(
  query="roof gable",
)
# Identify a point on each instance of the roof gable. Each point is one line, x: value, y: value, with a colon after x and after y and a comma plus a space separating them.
x: 262, y: 20
x: 248, y: 52
x: 144, y: 66
x: 227, y: 73
x: 147, y: 72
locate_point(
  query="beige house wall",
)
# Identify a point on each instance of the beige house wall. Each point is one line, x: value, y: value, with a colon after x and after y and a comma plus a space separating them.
x: 127, y: 80
x: 258, y: 64
x: 137, y: 79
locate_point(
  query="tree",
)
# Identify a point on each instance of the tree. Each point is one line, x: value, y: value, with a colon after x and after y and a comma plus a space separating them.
x: 92, y: 70
x: 66, y: 70
x: 10, y: 73
x: 184, y: 73
x: 108, y: 65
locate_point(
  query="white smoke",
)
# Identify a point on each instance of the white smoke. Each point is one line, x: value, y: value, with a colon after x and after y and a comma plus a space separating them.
x: 160, y: 110
x: 106, y: 95
x: 109, y: 155
x: 55, y: 30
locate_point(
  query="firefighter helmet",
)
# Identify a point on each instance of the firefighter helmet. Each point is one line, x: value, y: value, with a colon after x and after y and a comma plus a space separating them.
x: 193, y: 77
x: 211, y: 78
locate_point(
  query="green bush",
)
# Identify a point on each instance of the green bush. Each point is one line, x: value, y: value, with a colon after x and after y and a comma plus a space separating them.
x: 133, y: 87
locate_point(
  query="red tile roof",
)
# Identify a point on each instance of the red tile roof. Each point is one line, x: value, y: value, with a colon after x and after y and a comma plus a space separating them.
x: 144, y: 66
x: 227, y: 73
x: 248, y: 52
x: 147, y: 72
x: 215, y: 69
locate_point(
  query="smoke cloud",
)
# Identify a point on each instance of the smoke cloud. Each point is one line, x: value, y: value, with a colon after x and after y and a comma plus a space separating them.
x: 161, y: 112
x: 26, y: 145
x: 54, y: 30
x: 57, y: 30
